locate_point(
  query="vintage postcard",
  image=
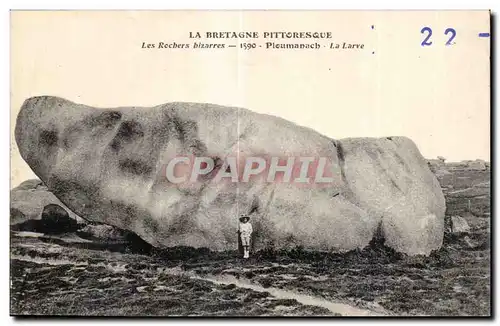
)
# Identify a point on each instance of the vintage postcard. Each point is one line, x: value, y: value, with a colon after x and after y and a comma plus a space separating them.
x: 250, y: 163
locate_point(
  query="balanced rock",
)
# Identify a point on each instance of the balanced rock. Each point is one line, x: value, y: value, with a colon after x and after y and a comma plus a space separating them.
x: 107, y: 166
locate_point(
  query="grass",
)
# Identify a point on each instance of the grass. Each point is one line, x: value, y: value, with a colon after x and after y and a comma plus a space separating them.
x: 52, y: 277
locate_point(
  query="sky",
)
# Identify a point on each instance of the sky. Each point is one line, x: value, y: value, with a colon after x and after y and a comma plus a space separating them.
x: 438, y: 95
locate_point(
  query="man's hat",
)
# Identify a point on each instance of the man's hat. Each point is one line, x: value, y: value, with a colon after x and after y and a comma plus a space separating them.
x: 243, y: 217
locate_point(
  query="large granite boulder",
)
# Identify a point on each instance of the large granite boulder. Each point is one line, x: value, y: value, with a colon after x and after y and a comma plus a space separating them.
x: 107, y: 166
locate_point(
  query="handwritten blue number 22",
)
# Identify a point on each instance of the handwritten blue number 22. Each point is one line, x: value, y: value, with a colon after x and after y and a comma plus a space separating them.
x: 427, y: 42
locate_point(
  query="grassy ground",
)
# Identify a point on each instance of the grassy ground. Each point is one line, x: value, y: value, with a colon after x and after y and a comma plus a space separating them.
x: 70, y: 276
x: 54, y: 279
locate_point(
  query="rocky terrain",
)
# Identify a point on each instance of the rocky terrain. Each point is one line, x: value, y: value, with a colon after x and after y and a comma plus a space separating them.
x: 102, y: 271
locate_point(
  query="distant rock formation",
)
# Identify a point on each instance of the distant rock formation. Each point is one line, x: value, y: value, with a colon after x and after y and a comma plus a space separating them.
x: 477, y: 165
x: 104, y: 165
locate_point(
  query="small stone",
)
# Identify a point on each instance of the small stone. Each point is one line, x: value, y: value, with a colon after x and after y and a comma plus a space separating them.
x: 459, y: 225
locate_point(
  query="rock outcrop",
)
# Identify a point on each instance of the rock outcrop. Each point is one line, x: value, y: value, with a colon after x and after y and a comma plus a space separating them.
x: 34, y: 208
x: 105, y: 164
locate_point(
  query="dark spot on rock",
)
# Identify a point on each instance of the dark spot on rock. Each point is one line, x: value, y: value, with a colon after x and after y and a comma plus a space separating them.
x: 130, y: 130
x: 180, y: 127
x: 106, y: 119
x: 400, y: 159
x: 135, y: 167
x: 48, y: 137
x: 218, y: 163
x: 96, y: 125
x: 389, y: 138
x: 79, y: 194
x: 341, y: 159
x: 115, y: 145
x: 127, y: 132
x: 109, y: 118
x: 197, y: 147
x: 187, y: 133
x: 395, y: 184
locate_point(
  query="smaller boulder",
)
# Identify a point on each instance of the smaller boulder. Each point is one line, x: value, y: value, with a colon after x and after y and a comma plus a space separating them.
x: 478, y: 165
x: 459, y: 225
x: 471, y: 244
x: 102, y: 232
x: 28, y: 202
x: 55, y: 220
x: 31, y: 184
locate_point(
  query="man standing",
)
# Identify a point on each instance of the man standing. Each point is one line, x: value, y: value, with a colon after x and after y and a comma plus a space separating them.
x: 245, y: 230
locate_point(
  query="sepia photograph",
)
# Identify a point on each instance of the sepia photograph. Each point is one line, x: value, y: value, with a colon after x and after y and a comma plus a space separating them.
x: 250, y: 163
